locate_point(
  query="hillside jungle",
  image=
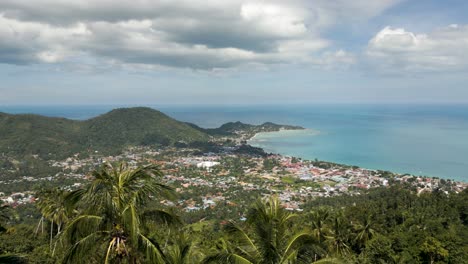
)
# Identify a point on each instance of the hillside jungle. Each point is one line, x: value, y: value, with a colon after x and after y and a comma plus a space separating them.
x: 125, y: 214
x: 129, y: 212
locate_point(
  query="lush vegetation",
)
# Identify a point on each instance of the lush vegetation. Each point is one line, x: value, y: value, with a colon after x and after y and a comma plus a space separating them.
x: 52, y: 138
x: 120, y: 217
x: 232, y: 128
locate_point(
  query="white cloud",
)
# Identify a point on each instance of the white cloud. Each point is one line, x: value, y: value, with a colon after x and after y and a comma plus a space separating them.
x: 275, y: 19
x: 206, y: 34
x: 399, y: 50
x: 26, y: 42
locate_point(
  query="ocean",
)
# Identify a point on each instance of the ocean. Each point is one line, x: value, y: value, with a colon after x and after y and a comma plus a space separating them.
x: 429, y: 140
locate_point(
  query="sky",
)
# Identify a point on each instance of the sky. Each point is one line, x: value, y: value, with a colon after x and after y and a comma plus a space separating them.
x: 233, y: 51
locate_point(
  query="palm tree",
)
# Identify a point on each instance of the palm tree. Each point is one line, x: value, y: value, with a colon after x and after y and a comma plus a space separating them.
x: 365, y: 230
x: 110, y: 226
x: 338, y: 236
x: 52, y: 204
x: 319, y: 219
x: 267, y: 239
x: 180, y: 250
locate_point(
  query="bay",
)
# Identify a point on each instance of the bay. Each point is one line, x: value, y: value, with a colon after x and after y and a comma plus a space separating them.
x: 430, y: 140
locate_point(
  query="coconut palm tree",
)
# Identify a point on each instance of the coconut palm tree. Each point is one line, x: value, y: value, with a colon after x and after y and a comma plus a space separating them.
x: 338, y: 237
x: 52, y: 204
x: 110, y: 226
x: 268, y: 238
x: 319, y: 220
x: 364, y: 230
x: 181, y: 250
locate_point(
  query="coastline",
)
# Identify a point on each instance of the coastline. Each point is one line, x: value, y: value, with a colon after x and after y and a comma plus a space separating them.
x: 316, y: 132
x: 312, y: 131
x: 428, y: 145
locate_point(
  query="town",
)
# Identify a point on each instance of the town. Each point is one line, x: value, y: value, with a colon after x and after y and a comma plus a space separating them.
x: 205, y: 180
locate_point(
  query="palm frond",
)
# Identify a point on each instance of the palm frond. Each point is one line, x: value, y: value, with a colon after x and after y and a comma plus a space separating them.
x: 84, y: 247
x: 153, y: 251
x: 162, y: 217
x: 299, y: 241
x: 81, y: 226
x: 115, y: 202
x: 244, y: 243
x: 329, y: 261
x: 226, y: 258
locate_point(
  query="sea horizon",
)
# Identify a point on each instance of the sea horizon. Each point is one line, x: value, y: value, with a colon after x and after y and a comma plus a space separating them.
x: 419, y: 139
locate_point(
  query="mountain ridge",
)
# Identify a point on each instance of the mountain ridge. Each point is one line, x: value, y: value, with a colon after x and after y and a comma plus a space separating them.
x: 111, y: 132
x: 22, y: 134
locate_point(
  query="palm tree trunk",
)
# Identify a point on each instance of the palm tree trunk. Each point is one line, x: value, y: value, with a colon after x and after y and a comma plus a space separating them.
x: 168, y: 235
x: 38, y: 225
x: 53, y: 250
x: 51, y: 234
x: 58, y: 232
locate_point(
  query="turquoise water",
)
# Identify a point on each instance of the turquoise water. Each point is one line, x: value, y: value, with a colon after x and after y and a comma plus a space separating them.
x: 427, y: 140
x: 423, y: 140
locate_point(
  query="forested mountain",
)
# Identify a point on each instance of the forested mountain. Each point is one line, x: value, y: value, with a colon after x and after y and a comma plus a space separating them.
x: 51, y: 137
x: 110, y: 132
x: 34, y: 134
x: 137, y: 126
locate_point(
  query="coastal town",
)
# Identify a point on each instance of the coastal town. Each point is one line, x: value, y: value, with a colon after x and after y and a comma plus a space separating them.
x: 233, y: 132
x: 205, y: 180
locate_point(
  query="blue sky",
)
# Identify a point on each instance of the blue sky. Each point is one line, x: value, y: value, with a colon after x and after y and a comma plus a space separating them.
x: 233, y: 51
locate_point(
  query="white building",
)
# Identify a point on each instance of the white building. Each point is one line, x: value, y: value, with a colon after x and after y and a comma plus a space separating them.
x: 207, y: 164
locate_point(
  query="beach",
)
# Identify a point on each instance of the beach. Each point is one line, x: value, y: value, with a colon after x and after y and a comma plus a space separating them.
x: 426, y: 140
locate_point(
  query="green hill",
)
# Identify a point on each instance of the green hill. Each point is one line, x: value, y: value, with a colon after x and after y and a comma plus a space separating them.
x: 34, y: 134
x: 138, y: 126
x: 59, y: 137
x: 52, y: 138
x: 233, y: 128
